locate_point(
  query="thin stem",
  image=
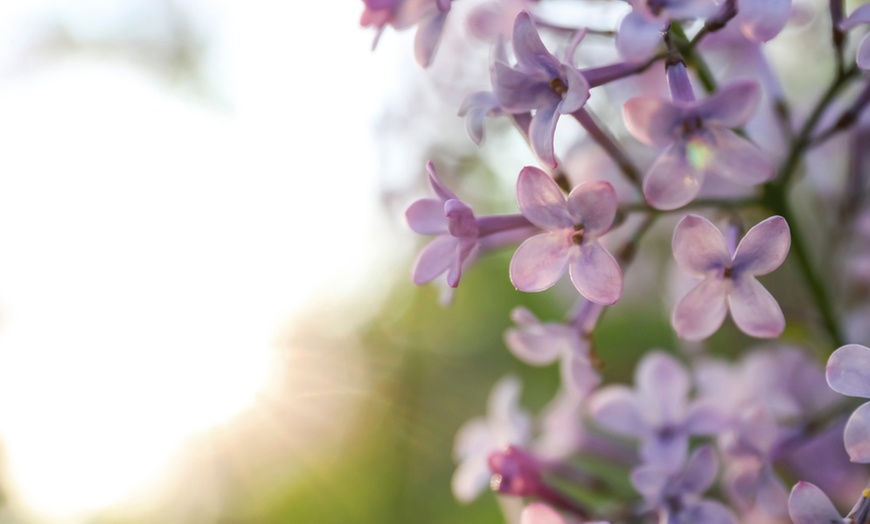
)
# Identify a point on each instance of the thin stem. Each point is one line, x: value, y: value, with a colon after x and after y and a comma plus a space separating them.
x: 693, y: 58
x: 606, y: 141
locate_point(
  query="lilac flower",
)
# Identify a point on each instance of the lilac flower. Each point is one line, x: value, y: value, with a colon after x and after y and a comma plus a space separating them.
x: 539, y: 82
x: 677, y: 496
x: 640, y: 32
x: 505, y: 424
x: 860, y: 16
x: 698, y: 138
x: 539, y: 343
x: 428, y: 15
x: 657, y: 412
x: 571, y: 239
x: 495, y: 19
x: 809, y: 505
x: 475, y: 108
x: 848, y: 372
x: 729, y: 278
x: 761, y: 20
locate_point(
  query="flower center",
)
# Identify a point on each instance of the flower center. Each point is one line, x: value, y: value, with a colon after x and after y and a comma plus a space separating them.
x: 577, y: 236
x: 728, y: 273
x: 558, y: 86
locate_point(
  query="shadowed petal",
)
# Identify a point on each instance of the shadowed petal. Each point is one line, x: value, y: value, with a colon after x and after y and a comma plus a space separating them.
x: 700, y: 313
x: 427, y: 37
x: 708, y: 512
x: 517, y: 91
x: 539, y: 262
x: 848, y: 371
x: 699, y: 247
x: 737, y: 159
x: 653, y: 121
x: 649, y: 481
x: 638, y: 38
x: 530, y: 51
x: 807, y: 504
x: 541, y: 201
x: 617, y: 409
x: 435, y: 259
x: 671, y: 181
x: 578, y: 90
x: 761, y: 20
x: 733, y: 105
x: 460, y: 219
x: 595, y: 273
x: 764, y: 247
x: 668, y: 452
x: 539, y: 513
x: 856, y: 436
x: 426, y: 216
x: 663, y: 385
x: 541, y: 131
x: 700, y: 472
x: 593, y: 204
x: 754, y: 309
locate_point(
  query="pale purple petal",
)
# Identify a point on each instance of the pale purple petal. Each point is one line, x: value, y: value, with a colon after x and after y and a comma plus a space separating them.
x: 540, y: 261
x: 638, y: 38
x: 733, y: 105
x: 578, y: 90
x: 470, y: 479
x: 541, y: 132
x: 772, y: 495
x: 440, y: 189
x: 593, y: 204
x: 533, y: 346
x: 435, y: 259
x: 541, y: 201
x: 473, y: 438
x: 761, y: 20
x: 530, y: 51
x: 700, y: 313
x: 672, y: 182
x: 595, y: 273
x: 862, y: 57
x: 708, y: 512
x: 705, y: 418
x: 699, y: 247
x: 427, y: 37
x: 807, y: 504
x: 426, y: 216
x: 577, y: 374
x: 663, y: 385
x: 517, y: 91
x: 754, y: 309
x: 649, y: 481
x: 668, y: 453
x: 539, y: 513
x: 476, y: 107
x: 460, y: 219
x: 700, y: 472
x: 616, y: 408
x: 848, y: 371
x: 859, y: 16
x: 763, y: 248
x: 735, y: 158
x: 508, y: 423
x: 856, y: 436
x: 443, y: 5
x: 653, y: 121
x: 465, y: 250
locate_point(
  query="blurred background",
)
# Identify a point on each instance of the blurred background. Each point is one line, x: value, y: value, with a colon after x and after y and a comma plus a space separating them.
x: 206, y: 312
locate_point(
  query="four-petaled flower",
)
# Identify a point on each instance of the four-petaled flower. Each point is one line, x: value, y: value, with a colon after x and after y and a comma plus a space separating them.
x: 699, y: 143
x: 540, y: 82
x: 809, y: 505
x: 428, y: 15
x: 571, y: 239
x: 729, y: 278
x: 848, y: 373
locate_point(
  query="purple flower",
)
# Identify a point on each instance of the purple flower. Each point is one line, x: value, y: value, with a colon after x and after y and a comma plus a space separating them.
x: 640, y: 32
x: 848, y: 372
x: 571, y: 239
x: 539, y: 82
x: 761, y: 20
x: 657, y: 412
x: 475, y: 108
x: 860, y: 16
x: 699, y: 140
x: 807, y: 504
x: 677, y: 497
x: 539, y: 343
x: 729, y: 279
x: 428, y: 15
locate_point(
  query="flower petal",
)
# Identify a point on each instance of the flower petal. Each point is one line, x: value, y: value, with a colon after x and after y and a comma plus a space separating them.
x: 531, y: 53
x: 649, y: 481
x: 427, y: 38
x: 862, y: 57
x: 699, y: 247
x: 541, y: 201
x: 593, y: 204
x: 754, y: 309
x: 577, y: 374
x: 470, y: 479
x: 518, y: 91
x: 737, y: 159
x: 541, y: 132
x: 508, y: 423
x: 440, y: 189
x: 653, y: 121
x: 426, y: 216
x: 617, y: 409
x: 733, y: 105
x: 663, y: 385
x: 475, y: 108
x: 578, y: 90
x: 705, y: 418
x: 700, y: 472
x: 700, y: 313
x: 667, y: 451
x: 638, y: 38
x: 672, y: 182
x: 763, y: 248
x: 859, y: 16
x: 856, y: 436
x: 435, y: 259
x: 533, y: 346
x: 708, y: 512
x: 761, y: 20
x: 595, y: 273
x: 539, y: 262
x: 807, y: 504
x: 539, y: 513
x: 848, y: 371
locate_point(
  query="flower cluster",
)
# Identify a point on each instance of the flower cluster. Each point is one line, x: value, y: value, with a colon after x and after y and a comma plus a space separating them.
x: 703, y: 146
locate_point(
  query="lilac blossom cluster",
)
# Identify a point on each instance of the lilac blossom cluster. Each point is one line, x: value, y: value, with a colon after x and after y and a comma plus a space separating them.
x: 720, y: 157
